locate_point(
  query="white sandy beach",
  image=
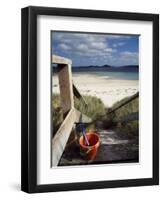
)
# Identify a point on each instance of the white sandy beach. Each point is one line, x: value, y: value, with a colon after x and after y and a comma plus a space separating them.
x: 109, y: 90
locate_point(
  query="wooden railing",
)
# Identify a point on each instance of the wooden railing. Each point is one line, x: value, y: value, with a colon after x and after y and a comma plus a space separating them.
x: 71, y: 115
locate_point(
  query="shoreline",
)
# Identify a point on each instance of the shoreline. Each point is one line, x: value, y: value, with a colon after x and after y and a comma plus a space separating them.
x: 108, y: 90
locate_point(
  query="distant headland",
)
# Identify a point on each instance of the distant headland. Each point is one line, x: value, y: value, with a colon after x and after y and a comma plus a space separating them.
x: 107, y: 68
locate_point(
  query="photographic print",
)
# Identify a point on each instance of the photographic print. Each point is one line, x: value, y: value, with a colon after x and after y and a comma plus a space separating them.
x: 94, y: 98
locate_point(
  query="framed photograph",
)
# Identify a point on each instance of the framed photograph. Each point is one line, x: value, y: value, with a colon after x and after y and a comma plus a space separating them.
x: 90, y: 99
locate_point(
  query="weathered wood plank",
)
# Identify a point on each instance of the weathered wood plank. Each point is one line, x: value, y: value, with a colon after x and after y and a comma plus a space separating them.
x: 60, y: 60
x: 67, y: 103
x: 61, y: 137
x: 66, y: 88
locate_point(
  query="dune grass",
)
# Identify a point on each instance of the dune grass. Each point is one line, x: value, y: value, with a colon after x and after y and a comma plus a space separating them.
x: 94, y: 109
x: 101, y: 118
x: 57, y: 116
x: 116, y: 119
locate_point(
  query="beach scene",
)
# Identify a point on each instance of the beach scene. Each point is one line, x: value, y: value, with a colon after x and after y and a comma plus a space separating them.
x: 108, y: 86
x: 95, y: 99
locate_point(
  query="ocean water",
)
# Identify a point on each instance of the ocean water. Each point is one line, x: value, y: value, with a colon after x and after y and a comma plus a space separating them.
x: 112, y: 75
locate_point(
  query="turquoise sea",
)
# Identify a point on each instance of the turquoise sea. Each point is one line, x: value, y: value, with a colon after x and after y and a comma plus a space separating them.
x: 112, y: 75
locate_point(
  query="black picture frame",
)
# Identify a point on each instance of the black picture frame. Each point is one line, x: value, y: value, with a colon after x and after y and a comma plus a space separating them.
x: 29, y: 99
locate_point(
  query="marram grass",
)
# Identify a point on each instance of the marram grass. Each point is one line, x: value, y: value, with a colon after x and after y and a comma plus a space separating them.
x: 96, y: 110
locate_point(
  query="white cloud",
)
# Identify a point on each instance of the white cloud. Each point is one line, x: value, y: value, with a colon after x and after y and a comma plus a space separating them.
x: 81, y: 47
x: 64, y: 46
x: 98, y: 45
x: 109, y: 50
x: 118, y: 44
x: 84, y: 44
x: 129, y: 54
x: 98, y: 48
x: 119, y: 36
x: 129, y: 57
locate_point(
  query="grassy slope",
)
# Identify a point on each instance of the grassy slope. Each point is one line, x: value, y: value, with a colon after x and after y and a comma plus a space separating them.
x: 95, y: 107
x: 130, y: 128
x: 97, y: 111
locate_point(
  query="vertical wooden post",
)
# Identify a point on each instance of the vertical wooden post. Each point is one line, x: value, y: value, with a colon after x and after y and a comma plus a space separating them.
x: 66, y: 87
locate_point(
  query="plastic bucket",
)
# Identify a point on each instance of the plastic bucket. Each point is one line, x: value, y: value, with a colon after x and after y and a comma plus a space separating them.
x: 89, y: 152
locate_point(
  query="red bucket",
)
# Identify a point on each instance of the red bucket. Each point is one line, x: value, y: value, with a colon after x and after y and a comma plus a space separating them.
x: 89, y: 152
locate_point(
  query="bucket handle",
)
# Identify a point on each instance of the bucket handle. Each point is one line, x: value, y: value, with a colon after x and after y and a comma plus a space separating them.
x: 83, y: 153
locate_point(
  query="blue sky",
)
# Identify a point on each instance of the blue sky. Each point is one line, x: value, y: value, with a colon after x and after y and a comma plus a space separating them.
x: 96, y: 49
